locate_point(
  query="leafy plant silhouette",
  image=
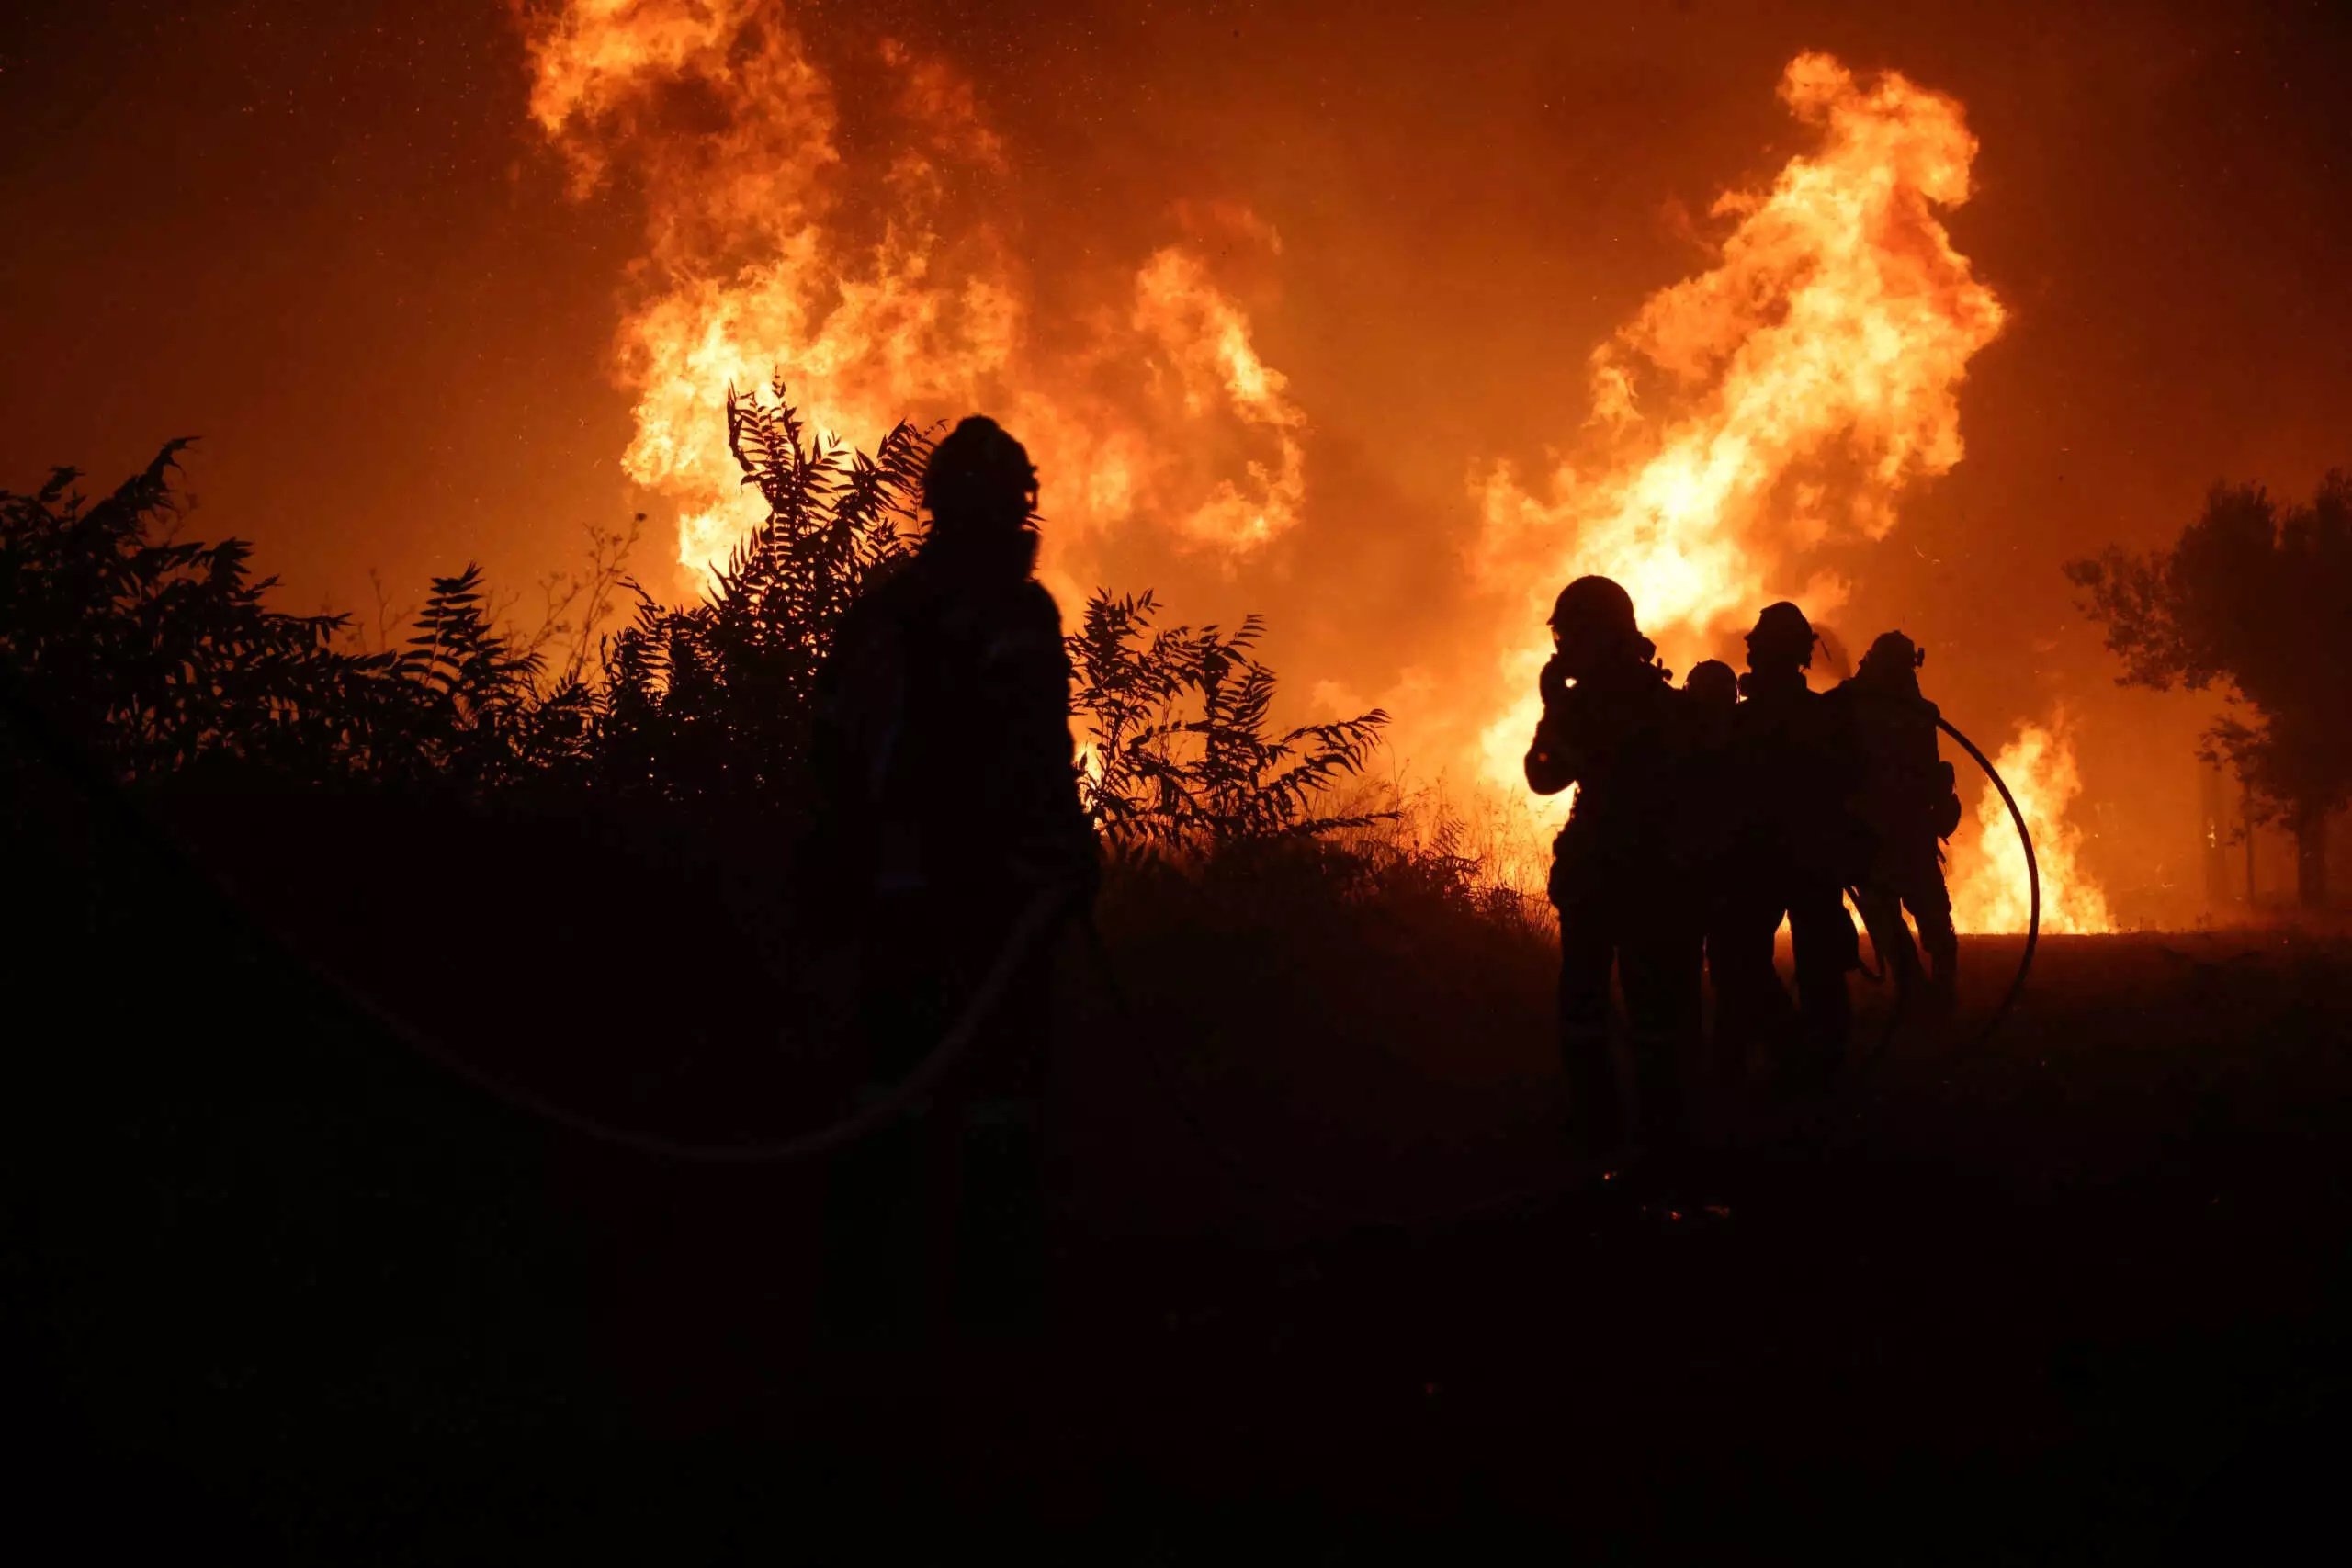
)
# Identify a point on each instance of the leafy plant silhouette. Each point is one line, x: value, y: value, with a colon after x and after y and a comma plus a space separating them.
x: 159, y: 655
x: 480, y: 715
x: 713, y: 701
x: 1181, y: 753
x: 164, y: 657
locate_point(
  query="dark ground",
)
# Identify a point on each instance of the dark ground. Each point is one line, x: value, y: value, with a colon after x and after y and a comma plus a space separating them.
x: 279, y: 1287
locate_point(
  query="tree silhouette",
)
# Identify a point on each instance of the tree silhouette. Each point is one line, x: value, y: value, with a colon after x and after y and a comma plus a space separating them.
x: 2251, y: 596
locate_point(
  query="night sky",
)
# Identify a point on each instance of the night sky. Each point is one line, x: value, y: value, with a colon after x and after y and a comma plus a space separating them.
x: 326, y: 240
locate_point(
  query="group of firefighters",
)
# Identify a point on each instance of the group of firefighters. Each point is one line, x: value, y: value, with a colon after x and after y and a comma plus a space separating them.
x: 1705, y: 815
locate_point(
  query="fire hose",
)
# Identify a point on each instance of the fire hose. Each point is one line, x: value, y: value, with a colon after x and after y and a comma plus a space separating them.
x: 1034, y: 919
x: 1197, y: 1125
x: 2032, y: 884
x: 2032, y: 924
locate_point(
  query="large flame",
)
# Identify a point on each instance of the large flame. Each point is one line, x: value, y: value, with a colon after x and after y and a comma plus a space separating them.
x: 865, y: 250
x: 1800, y: 385
x: 1989, y: 891
x: 881, y: 286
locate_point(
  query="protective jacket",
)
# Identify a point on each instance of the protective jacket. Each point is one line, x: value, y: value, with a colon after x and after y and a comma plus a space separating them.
x: 1908, y: 797
x: 1623, y: 738
x: 943, y: 749
x: 1798, y: 772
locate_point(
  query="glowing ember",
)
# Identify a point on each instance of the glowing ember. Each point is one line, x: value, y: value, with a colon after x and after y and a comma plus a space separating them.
x: 1802, y: 383
x: 879, y: 287
x: 1989, y: 892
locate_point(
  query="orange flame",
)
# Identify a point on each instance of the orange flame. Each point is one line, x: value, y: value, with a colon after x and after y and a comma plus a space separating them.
x: 878, y: 288
x: 1207, y: 342
x: 1808, y: 378
x: 1746, y: 416
x: 1989, y: 891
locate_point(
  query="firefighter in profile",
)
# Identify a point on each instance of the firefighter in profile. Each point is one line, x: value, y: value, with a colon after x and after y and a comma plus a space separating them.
x: 948, y: 809
x: 1909, y: 800
x: 1796, y: 847
x: 1615, y: 728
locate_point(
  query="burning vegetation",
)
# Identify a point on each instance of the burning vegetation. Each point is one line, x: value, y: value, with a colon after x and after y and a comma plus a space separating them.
x: 162, y: 660
x: 426, y: 1019
x: 881, y: 281
x: 1790, y: 393
x: 1783, y: 399
x: 1990, y: 892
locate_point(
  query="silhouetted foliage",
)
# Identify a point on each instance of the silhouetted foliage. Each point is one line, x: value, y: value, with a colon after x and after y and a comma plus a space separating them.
x: 482, y: 719
x: 577, y: 603
x: 162, y: 656
x: 1430, y: 854
x: 1181, y: 753
x: 2251, y: 596
x: 158, y: 655
x: 711, y: 701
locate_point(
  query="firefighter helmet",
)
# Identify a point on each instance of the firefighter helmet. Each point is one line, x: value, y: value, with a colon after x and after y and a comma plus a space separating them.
x: 1782, y: 636
x: 980, y: 476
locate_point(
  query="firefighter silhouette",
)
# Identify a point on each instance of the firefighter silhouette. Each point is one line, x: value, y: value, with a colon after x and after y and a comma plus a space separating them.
x: 947, y: 803
x: 1794, y: 849
x: 1713, y: 690
x: 1910, y: 801
x: 1616, y: 728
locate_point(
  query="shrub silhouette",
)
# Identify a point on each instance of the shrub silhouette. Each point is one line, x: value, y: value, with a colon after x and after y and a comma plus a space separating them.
x: 162, y: 656
x: 162, y: 659
x: 1180, y: 753
x: 476, y: 714
x: 712, y: 701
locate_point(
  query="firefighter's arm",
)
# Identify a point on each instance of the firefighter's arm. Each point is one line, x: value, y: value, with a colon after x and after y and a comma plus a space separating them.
x: 1549, y: 768
x: 1555, y: 759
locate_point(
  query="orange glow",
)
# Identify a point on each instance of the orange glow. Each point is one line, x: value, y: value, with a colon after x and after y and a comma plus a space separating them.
x: 881, y: 289
x: 1785, y: 397
x: 1206, y: 340
x: 1780, y: 401
x: 1989, y: 892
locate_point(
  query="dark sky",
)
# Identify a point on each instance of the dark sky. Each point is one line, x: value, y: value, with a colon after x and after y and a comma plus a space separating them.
x: 324, y: 239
